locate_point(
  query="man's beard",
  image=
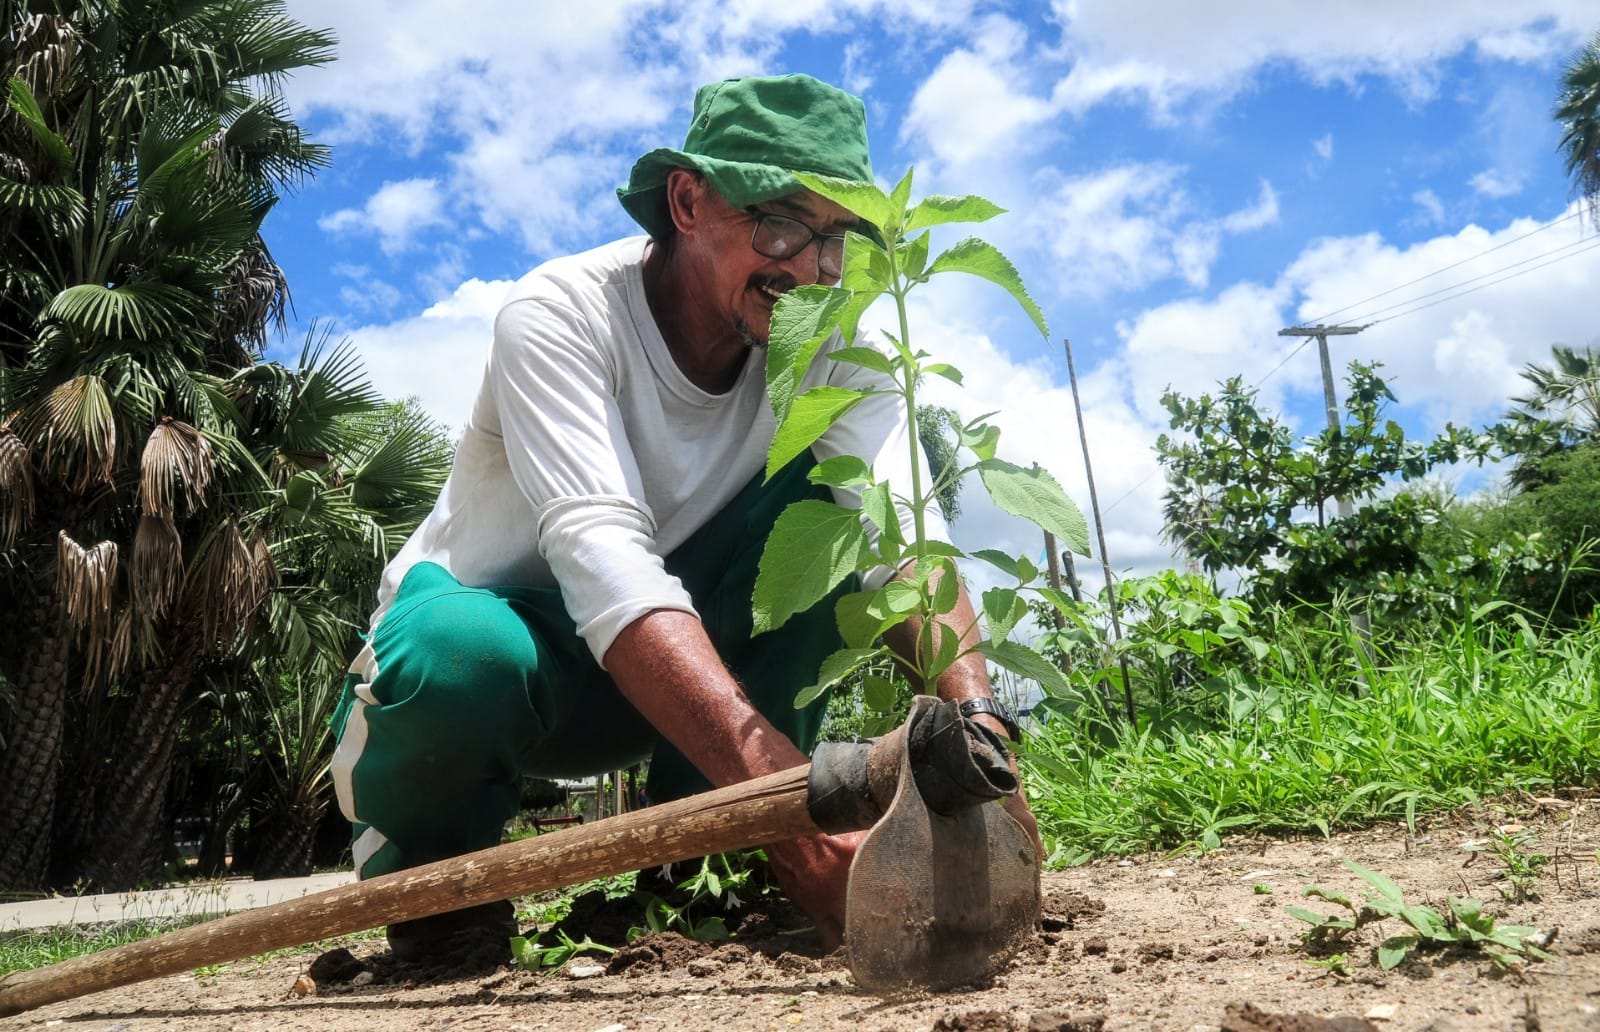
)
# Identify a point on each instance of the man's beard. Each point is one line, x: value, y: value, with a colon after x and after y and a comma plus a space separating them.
x: 752, y: 340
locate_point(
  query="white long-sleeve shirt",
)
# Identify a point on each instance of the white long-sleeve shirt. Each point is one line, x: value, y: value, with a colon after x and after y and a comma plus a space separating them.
x: 589, y: 456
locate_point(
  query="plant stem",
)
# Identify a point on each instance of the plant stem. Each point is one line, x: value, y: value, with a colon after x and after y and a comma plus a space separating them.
x: 926, y: 634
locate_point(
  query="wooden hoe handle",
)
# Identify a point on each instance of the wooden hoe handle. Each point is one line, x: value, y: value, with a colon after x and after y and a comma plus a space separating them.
x: 753, y: 813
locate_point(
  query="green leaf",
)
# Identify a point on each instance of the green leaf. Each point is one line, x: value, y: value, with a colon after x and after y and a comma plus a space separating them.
x: 841, y: 471
x: 878, y: 693
x: 857, y: 625
x: 901, y: 196
x: 802, y: 320
x: 948, y: 590
x: 1385, y: 886
x: 877, y: 503
x: 709, y: 929
x: 870, y: 358
x: 981, y: 438
x: 939, y: 209
x: 1309, y: 917
x: 1002, y: 609
x: 838, y: 666
x: 808, y: 419
x: 982, y: 259
x: 949, y: 372
x: 897, y: 598
x: 1034, y: 495
x: 1394, y: 950
x: 914, y: 256
x: 813, y: 546
x: 1016, y: 566
x: 864, y: 200
x: 54, y: 146
x: 1019, y: 659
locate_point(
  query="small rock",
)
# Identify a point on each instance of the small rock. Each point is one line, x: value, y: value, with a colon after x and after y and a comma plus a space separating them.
x: 1472, y: 1008
x: 585, y: 970
x: 362, y: 978
x: 304, y: 986
x: 702, y: 967
x: 337, y: 965
x: 1168, y: 873
x: 1118, y: 966
x: 1094, y: 947
x: 1382, y: 1011
x: 618, y: 1027
x: 1441, y: 1024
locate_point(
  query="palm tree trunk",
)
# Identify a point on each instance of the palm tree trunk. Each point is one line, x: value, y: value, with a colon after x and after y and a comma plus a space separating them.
x: 32, y: 759
x: 130, y: 829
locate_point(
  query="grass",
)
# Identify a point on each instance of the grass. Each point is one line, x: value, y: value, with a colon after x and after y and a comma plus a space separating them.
x: 1482, y: 709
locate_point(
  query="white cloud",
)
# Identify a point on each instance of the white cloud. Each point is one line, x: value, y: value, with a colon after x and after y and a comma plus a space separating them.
x: 1495, y: 183
x: 971, y: 106
x: 396, y: 213
x: 1432, y: 209
x: 1323, y: 145
x: 1129, y: 226
x: 439, y: 354
x: 1167, y: 50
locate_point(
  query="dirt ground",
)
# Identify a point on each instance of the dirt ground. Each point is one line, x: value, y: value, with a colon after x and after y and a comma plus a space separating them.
x: 1165, y: 943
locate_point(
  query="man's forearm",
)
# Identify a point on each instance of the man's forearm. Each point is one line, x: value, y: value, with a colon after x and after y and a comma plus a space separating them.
x: 666, y: 666
x: 966, y: 678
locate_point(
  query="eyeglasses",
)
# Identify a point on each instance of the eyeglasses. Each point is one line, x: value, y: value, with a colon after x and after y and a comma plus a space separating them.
x: 779, y: 236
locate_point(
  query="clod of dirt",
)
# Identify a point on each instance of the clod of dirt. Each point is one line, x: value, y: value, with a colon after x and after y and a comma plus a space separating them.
x: 659, y: 951
x: 974, y: 1021
x: 1095, y: 947
x: 1061, y: 911
x: 1045, y: 1021
x: 1150, y: 952
x: 1587, y: 940
x: 335, y: 967
x: 1247, y: 1017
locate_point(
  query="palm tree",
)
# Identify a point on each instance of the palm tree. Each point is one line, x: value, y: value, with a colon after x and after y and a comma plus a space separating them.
x: 142, y: 145
x: 1578, y: 112
x: 1561, y: 411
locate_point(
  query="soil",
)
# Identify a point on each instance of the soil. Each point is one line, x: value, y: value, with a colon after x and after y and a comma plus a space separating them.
x: 1155, y: 942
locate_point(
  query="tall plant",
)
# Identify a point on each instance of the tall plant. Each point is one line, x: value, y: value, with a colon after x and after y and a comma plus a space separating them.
x: 815, y: 544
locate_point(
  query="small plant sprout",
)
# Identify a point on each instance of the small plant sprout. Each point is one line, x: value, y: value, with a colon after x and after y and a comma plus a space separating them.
x: 1463, y: 925
x: 1522, y: 865
x: 713, y: 886
x: 816, y: 545
x: 531, y: 956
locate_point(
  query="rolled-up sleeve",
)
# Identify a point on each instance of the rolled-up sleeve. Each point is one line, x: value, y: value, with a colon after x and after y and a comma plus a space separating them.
x: 555, y: 392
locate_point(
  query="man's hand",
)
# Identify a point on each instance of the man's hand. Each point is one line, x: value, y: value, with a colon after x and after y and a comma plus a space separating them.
x: 814, y: 873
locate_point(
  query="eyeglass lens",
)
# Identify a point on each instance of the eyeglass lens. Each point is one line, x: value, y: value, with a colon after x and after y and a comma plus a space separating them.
x: 778, y: 236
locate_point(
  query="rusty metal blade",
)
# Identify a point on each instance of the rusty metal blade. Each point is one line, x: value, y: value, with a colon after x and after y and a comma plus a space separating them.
x: 938, y: 902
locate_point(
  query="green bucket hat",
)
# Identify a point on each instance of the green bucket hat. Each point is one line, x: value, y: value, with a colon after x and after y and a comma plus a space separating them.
x: 747, y: 136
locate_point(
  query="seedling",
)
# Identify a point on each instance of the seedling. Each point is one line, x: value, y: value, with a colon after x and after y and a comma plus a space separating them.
x: 1522, y: 865
x: 531, y: 956
x: 1464, y: 925
x: 816, y: 545
x: 711, y: 886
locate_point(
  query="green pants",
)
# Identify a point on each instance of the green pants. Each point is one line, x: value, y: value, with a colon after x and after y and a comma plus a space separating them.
x: 461, y: 691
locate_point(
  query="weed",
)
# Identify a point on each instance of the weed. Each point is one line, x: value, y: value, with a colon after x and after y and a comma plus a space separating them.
x: 531, y: 956
x: 1464, y: 925
x: 714, y: 885
x: 1521, y: 864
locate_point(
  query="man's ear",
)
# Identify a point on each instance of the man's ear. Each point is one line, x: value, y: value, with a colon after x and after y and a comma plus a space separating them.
x: 686, y: 196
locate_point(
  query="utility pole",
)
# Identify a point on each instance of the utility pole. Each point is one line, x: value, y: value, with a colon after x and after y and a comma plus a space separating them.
x: 1359, y: 618
x: 1329, y: 399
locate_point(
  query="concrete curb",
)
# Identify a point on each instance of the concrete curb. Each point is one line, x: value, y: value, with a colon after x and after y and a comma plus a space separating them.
x: 196, y: 899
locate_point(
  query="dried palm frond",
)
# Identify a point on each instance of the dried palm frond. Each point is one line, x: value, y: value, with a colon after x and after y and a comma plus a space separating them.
x: 75, y: 430
x: 43, y: 46
x: 16, y: 487
x: 175, y: 456
x: 157, y: 570
x: 111, y: 660
x: 84, y: 577
x: 229, y: 584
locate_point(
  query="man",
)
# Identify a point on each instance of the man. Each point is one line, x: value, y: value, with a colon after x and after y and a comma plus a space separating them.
x: 579, y: 599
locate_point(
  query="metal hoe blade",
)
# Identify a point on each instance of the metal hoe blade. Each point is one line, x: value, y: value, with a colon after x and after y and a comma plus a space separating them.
x: 937, y: 902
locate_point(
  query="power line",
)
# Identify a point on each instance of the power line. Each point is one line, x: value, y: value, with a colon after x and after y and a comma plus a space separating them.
x: 1389, y: 318
x: 1507, y: 243
x: 1376, y: 315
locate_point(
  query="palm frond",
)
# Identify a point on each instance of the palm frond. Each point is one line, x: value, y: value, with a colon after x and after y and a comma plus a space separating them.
x: 176, y: 457
x: 329, y: 385
x: 407, y: 467
x: 1578, y: 113
x: 143, y: 310
x: 229, y: 583
x: 61, y: 209
x: 16, y: 487
x: 42, y: 51
x: 84, y: 578
x: 157, y: 569
x: 50, y: 143
x: 74, y: 431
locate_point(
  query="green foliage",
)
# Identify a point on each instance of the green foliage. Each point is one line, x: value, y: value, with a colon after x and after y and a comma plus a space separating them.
x: 712, y: 887
x: 1278, y: 743
x: 1244, y: 492
x: 816, y: 545
x: 529, y: 955
x: 1463, y: 925
x: 1521, y: 864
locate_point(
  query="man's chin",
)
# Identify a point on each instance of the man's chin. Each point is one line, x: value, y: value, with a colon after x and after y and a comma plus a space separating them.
x: 752, y: 339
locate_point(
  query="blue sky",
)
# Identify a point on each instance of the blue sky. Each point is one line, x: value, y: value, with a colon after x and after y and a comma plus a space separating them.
x: 1183, y: 178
